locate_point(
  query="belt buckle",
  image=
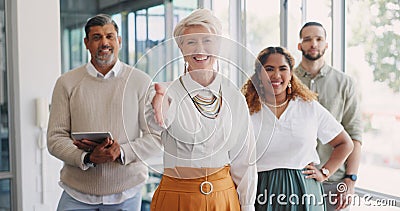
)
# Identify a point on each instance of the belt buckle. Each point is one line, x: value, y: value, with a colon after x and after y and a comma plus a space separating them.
x: 211, y: 187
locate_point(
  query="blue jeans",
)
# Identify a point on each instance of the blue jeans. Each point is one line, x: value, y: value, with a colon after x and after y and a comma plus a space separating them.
x: 67, y: 203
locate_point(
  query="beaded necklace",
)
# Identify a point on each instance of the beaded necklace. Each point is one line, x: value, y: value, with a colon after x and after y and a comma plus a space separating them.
x: 277, y: 106
x: 208, y: 107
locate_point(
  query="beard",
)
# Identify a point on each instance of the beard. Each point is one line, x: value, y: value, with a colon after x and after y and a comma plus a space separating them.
x: 312, y: 58
x: 104, y: 59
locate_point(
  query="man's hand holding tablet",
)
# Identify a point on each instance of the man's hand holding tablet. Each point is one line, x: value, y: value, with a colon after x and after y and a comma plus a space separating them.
x: 89, y: 140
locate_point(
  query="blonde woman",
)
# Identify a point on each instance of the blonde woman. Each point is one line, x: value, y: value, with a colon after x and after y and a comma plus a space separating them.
x: 206, y: 129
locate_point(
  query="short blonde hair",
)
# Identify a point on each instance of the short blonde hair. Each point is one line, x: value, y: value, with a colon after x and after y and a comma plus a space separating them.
x: 199, y: 17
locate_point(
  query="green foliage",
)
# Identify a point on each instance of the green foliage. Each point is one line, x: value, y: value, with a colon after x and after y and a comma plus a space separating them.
x: 377, y: 25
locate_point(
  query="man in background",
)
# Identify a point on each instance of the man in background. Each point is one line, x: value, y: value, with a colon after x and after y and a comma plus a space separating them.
x: 337, y: 93
x: 92, y: 98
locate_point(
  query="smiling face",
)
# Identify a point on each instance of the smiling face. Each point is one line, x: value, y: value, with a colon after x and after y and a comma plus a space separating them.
x: 198, y: 47
x: 103, y: 43
x: 276, y: 75
x: 313, y: 42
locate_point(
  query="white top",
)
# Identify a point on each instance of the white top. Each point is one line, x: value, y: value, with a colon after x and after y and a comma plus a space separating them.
x: 192, y: 140
x: 290, y: 141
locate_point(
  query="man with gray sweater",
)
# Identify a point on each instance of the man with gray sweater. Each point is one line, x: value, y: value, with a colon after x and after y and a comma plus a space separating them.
x: 103, y: 95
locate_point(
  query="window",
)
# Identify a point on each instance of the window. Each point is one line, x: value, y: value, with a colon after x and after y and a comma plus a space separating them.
x: 5, y: 172
x: 4, y: 145
x: 262, y: 24
x: 5, y: 194
x: 73, y: 49
x: 221, y: 10
x: 373, y: 59
x: 295, y: 22
x: 150, y: 31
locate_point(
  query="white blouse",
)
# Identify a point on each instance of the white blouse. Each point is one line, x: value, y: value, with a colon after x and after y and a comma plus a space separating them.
x: 192, y: 140
x: 291, y: 141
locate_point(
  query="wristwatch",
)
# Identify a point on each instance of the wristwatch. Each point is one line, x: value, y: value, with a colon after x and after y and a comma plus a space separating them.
x: 353, y: 177
x: 325, y: 171
x: 87, y: 161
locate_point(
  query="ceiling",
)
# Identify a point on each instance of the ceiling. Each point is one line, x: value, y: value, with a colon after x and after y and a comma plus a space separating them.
x: 74, y: 13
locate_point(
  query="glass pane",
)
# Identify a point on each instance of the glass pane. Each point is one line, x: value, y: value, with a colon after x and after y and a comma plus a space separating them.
x: 131, y: 38
x: 117, y: 19
x: 295, y: 23
x: 181, y: 10
x: 373, y: 30
x: 141, y: 27
x: 262, y: 24
x: 78, y: 50
x: 4, y: 141
x: 156, y: 22
x: 141, y: 12
x: 141, y: 37
x: 73, y: 49
x: 5, y: 193
x: 221, y: 10
x: 321, y: 11
x: 185, y: 4
x: 157, y: 10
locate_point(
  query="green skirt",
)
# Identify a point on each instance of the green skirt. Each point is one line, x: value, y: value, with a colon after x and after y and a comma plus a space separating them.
x: 288, y: 190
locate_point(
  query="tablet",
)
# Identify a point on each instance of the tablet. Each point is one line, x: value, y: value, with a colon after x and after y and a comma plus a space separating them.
x: 92, y: 136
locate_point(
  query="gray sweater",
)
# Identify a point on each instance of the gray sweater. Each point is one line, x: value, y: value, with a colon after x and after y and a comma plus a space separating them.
x: 83, y: 103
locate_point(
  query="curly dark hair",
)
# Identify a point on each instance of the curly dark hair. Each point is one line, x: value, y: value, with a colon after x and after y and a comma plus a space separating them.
x: 252, y: 88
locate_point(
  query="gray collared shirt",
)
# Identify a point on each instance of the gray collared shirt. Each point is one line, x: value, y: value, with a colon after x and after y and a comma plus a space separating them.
x: 337, y: 93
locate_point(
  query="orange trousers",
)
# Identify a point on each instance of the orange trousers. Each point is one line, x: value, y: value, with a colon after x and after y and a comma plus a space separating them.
x: 216, y: 192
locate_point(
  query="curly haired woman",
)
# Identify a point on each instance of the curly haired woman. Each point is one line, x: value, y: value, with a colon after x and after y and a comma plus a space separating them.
x: 287, y: 121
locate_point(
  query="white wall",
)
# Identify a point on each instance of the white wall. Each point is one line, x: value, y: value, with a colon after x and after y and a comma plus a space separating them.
x: 37, y: 66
